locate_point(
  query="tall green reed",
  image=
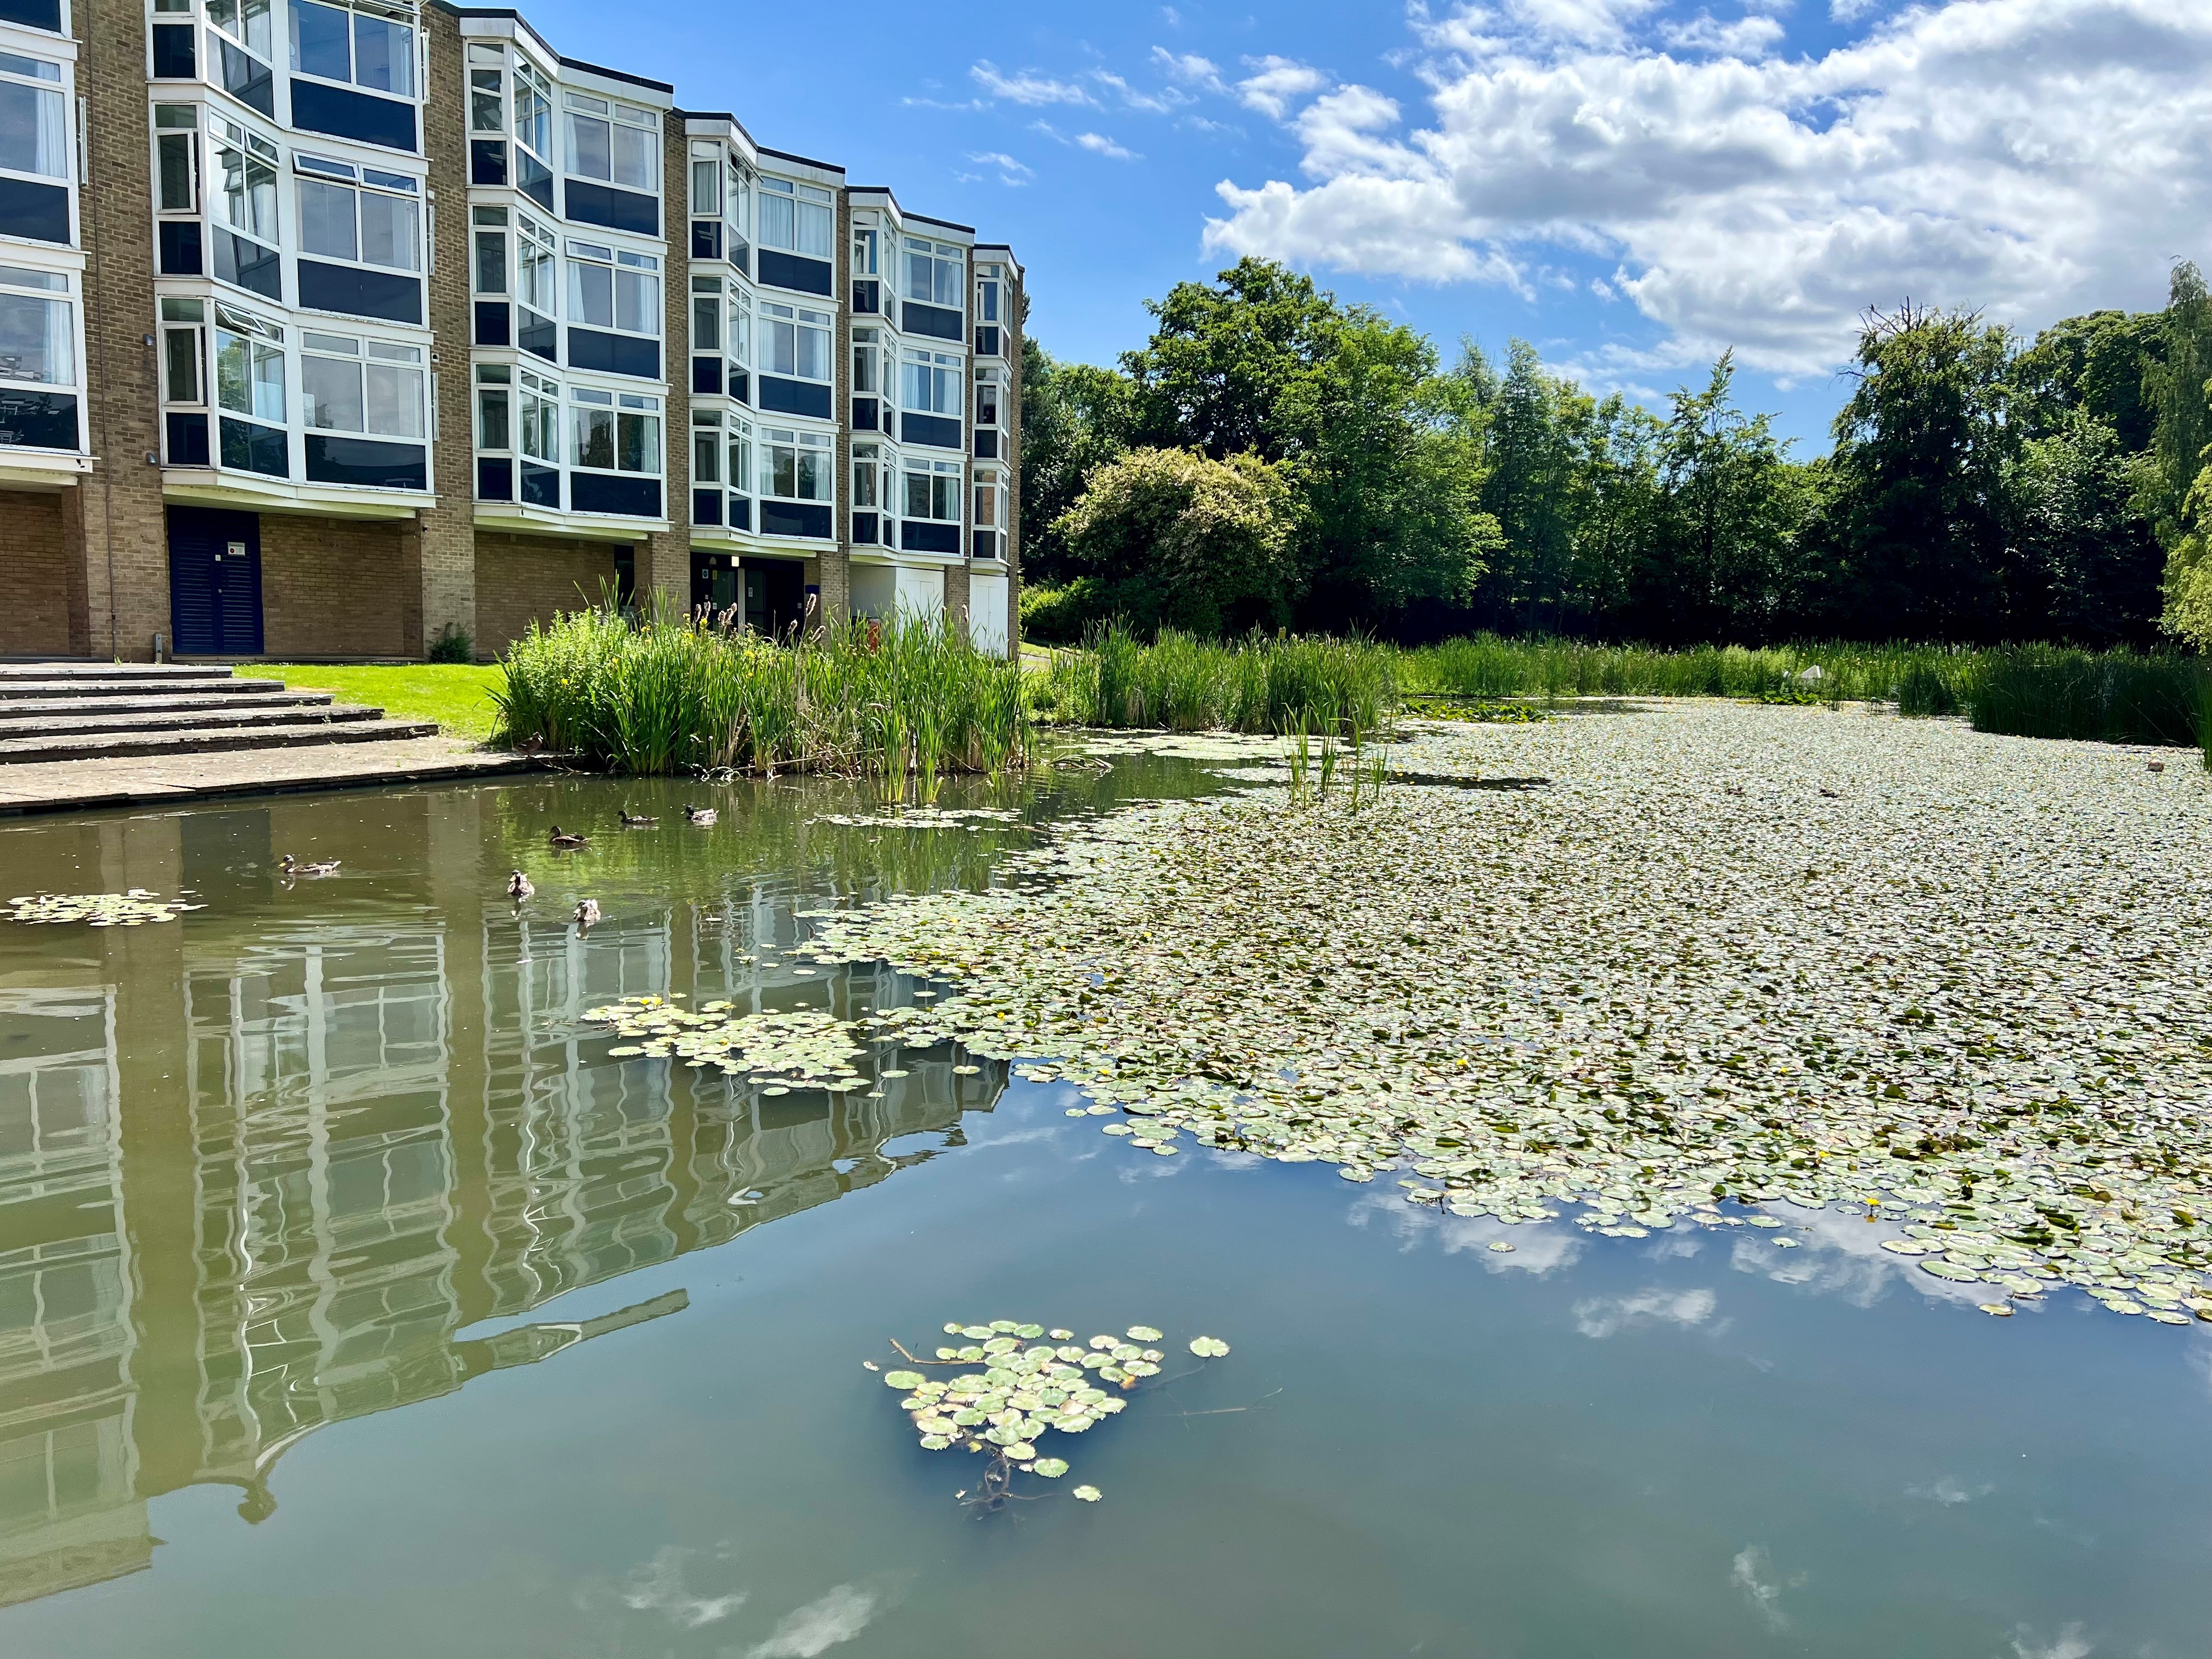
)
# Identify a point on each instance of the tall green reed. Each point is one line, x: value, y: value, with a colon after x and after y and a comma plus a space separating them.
x: 2109, y: 696
x: 1258, y: 683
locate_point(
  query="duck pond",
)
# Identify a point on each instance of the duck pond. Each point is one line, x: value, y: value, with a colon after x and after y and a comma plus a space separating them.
x: 1686, y: 1180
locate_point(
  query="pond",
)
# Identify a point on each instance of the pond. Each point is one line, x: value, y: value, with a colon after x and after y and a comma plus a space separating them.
x: 356, y: 1300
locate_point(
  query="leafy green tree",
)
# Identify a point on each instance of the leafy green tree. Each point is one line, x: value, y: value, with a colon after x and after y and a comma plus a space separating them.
x: 2100, y: 364
x: 2093, y: 559
x: 1222, y: 370
x: 1918, y: 519
x: 2175, y: 386
x: 1180, y: 540
x: 1075, y: 417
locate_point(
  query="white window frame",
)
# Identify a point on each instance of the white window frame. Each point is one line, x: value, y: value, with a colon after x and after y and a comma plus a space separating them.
x: 617, y: 119
x: 817, y: 448
x: 364, y: 183
x: 946, y: 264
x: 397, y: 17
x: 618, y: 413
x: 941, y: 483
x: 813, y: 230
x: 811, y: 335
x: 929, y: 383
x: 51, y: 95
x: 177, y: 134
x: 639, y: 275
x: 991, y: 379
x: 265, y: 342
x: 399, y: 366
x: 537, y: 252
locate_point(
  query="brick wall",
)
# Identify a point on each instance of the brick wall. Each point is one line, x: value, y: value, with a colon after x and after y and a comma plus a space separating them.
x: 1017, y: 318
x: 664, y: 563
x: 438, y: 560
x: 123, y: 530
x: 525, y: 579
x: 35, y: 620
x: 332, y: 587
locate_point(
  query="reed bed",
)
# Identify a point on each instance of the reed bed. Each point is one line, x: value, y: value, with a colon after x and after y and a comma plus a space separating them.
x: 1261, y: 683
x: 2106, y: 696
x: 668, y: 694
x: 1921, y: 679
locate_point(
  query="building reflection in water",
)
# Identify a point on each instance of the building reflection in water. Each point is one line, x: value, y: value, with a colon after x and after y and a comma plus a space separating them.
x: 256, y: 1176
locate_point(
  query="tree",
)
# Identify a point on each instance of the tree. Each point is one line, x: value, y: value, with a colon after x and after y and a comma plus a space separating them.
x: 1075, y: 417
x: 2100, y: 364
x: 2174, y: 386
x: 1180, y: 540
x: 1218, y: 373
x: 1918, y: 517
x: 2094, y: 557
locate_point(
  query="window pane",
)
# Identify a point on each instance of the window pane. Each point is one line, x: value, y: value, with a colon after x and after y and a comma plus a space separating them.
x: 637, y: 159
x: 784, y: 470
x: 815, y: 223
x: 395, y: 401
x: 863, y: 483
x: 387, y: 231
x: 987, y: 501
x: 318, y: 41
x: 384, y: 54
x: 591, y: 295
x: 706, y: 326
x: 782, y: 348
x: 595, y: 438
x: 180, y: 365
x: 741, y: 467
x: 639, y: 443
x: 332, y: 389
x: 492, y: 262
x: 917, y: 495
x: 483, y: 100
x: 813, y: 354
x: 706, y: 458
x: 327, y: 223
x: 778, y: 223
x: 533, y: 118
x: 987, y: 303
x: 491, y: 420
x: 589, y: 155
x: 35, y: 343
x: 174, y: 151
x: 534, y: 278
x: 268, y: 382
x: 637, y: 302
x: 813, y: 476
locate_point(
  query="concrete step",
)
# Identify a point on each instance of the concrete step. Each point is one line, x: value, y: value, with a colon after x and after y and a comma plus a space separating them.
x: 176, y: 702
x: 118, y: 745
x: 83, y: 673
x: 93, y: 724
x: 46, y: 688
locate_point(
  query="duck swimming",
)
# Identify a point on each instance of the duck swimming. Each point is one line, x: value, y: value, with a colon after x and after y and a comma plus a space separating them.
x: 587, y: 912
x: 562, y: 838
x: 519, y: 887
x: 292, y: 866
x: 702, y: 814
x: 636, y: 820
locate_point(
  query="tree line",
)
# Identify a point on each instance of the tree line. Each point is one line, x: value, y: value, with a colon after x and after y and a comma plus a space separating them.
x: 1272, y: 457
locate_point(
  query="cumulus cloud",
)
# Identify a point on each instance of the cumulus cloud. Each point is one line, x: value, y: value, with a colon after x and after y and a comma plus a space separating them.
x: 2035, y: 157
x: 1099, y: 144
x: 1278, y: 82
x: 1026, y: 87
x: 1602, y: 1316
x: 1190, y: 68
x: 816, y: 1628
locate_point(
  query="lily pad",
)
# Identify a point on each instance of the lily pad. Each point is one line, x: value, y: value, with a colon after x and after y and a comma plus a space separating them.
x: 1088, y: 1494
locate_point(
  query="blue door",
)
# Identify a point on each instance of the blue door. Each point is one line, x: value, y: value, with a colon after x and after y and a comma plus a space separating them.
x: 214, y: 582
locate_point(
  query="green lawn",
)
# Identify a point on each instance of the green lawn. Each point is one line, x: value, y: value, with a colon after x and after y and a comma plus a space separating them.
x: 455, y: 694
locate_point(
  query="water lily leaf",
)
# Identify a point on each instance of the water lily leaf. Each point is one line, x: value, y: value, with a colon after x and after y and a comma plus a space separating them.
x: 1144, y: 1334
x: 1208, y: 1347
x: 902, y: 1381
x: 1088, y: 1494
x: 1051, y: 1468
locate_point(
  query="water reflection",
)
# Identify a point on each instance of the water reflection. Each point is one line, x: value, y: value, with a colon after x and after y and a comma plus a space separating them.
x: 259, y: 1170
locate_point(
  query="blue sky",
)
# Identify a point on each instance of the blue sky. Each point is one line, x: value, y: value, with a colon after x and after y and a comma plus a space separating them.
x: 1631, y: 185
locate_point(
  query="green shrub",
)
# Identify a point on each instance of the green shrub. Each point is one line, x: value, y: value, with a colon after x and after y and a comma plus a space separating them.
x: 454, y: 644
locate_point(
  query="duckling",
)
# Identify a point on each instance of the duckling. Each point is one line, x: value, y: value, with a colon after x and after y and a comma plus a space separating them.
x: 519, y: 887
x: 702, y: 814
x: 560, y: 838
x: 292, y: 866
x: 587, y: 912
x: 635, y: 820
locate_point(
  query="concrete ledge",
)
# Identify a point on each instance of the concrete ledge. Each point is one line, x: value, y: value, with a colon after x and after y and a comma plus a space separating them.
x: 79, y: 785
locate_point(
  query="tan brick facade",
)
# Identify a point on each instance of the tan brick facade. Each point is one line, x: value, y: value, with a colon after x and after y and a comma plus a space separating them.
x: 90, y: 559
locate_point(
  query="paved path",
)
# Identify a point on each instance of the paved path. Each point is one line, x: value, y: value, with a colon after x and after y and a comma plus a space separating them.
x: 79, y: 785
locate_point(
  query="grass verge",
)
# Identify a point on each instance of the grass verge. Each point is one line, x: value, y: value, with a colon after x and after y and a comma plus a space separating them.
x: 460, y: 697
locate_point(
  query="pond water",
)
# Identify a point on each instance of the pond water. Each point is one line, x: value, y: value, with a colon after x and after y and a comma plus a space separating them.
x: 355, y: 1301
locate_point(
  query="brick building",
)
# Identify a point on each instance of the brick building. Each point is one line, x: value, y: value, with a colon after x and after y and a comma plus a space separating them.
x: 341, y: 328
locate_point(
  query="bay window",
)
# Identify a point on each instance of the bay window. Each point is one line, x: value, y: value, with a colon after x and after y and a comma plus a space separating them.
x: 706, y: 315
x: 488, y: 254
x: 184, y: 382
x: 929, y: 394
x: 533, y: 133
x: 177, y: 158
x: 988, y: 292
x: 360, y: 214
x: 608, y: 289
x: 34, y: 118
x: 614, y: 143
x: 364, y: 48
x: 38, y: 352
x: 930, y: 508
x: 244, y: 47
x: 797, y: 218
x: 374, y: 387
x: 874, y: 475
x: 616, y: 434
x: 990, y: 514
x: 246, y: 211
x: 987, y: 389
x: 249, y: 380
x: 495, y: 409
x: 795, y: 485
x: 537, y: 277
x: 935, y: 272
x: 537, y: 439
x: 796, y: 342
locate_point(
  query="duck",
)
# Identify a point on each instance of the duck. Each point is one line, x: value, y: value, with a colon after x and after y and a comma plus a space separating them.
x: 702, y: 814
x: 562, y: 838
x: 635, y: 820
x: 2158, y: 766
x: 292, y: 866
x: 519, y: 887
x: 587, y: 912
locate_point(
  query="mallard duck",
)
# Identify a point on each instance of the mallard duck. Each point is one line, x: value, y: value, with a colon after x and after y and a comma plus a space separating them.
x: 636, y: 820
x: 702, y: 814
x: 519, y: 887
x: 562, y: 838
x: 292, y: 866
x: 587, y: 912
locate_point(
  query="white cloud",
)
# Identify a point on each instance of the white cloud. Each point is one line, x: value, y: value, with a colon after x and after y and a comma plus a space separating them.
x: 1011, y: 172
x: 1190, y: 68
x: 1026, y: 87
x: 1278, y: 82
x: 1850, y: 11
x: 840, y: 1616
x: 2035, y: 157
x: 1602, y: 1316
x: 659, y: 1585
x: 1152, y: 103
x: 1947, y: 1493
x: 1753, y: 1574
x: 1753, y: 36
x: 2070, y: 1645
x: 1099, y: 144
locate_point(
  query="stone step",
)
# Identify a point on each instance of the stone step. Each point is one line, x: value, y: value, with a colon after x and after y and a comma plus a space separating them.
x: 96, y: 745
x: 93, y: 724
x: 46, y: 688
x: 85, y: 673
x: 176, y: 702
